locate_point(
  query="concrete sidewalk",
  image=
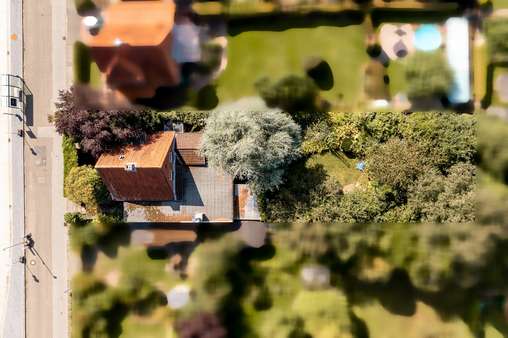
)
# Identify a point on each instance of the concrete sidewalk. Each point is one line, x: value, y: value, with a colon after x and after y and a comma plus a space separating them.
x: 12, y: 277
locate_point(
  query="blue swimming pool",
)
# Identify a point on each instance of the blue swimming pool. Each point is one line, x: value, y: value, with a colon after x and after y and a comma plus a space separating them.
x: 427, y: 37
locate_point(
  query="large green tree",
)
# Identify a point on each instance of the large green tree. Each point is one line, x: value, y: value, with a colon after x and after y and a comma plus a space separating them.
x: 253, y: 146
x: 396, y: 163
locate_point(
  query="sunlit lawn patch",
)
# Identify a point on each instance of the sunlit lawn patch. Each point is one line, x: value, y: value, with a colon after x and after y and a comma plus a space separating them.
x: 254, y: 54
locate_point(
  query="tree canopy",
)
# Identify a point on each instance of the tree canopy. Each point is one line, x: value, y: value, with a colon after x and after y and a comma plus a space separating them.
x: 84, y: 186
x: 253, y: 146
x: 100, y: 130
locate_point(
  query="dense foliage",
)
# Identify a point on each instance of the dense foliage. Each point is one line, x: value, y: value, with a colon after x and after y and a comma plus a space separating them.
x: 194, y: 120
x: 298, y: 96
x: 84, y: 186
x: 99, y: 130
x: 404, y: 155
x: 427, y: 75
x: 70, y: 155
x: 252, y: 146
x: 435, y: 257
x: 396, y: 163
x: 99, y: 308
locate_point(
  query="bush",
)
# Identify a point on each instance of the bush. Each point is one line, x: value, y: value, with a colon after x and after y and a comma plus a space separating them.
x: 428, y: 75
x: 361, y: 207
x: 446, y: 139
x: 436, y: 198
x: 253, y: 146
x: 396, y: 163
x: 320, y: 71
x: 84, y: 186
x: 196, y: 120
x: 70, y: 155
x: 352, y: 133
x: 298, y: 96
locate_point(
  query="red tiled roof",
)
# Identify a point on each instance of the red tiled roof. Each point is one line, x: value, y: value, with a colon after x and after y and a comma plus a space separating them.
x: 151, y: 180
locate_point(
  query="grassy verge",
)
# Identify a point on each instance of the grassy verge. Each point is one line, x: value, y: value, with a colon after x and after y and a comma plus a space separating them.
x: 81, y: 63
x: 255, y: 54
x: 500, y: 4
x: 70, y: 155
x: 398, y: 82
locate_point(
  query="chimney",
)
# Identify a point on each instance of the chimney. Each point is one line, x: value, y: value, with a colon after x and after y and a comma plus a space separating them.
x: 131, y: 167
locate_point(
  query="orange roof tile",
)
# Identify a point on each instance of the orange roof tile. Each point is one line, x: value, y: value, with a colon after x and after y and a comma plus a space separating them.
x: 137, y: 23
x: 150, y: 154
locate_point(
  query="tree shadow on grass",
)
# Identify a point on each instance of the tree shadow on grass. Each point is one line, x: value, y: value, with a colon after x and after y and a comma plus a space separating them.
x: 360, y: 329
x: 282, y: 21
x: 295, y: 194
x: 88, y: 256
x: 397, y: 295
x: 115, y: 318
x: 120, y: 235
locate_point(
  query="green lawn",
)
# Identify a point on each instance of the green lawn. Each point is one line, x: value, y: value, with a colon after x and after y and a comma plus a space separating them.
x: 397, y: 78
x: 255, y: 54
x: 499, y: 4
x: 95, y: 76
x: 151, y: 269
x: 343, y: 169
x: 157, y: 326
x: 133, y: 260
x: 425, y: 322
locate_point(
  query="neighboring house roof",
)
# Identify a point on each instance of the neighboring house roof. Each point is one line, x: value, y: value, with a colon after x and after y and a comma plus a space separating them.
x: 188, y: 145
x: 136, y: 23
x: 205, y: 190
x: 133, y: 47
x: 148, y: 179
